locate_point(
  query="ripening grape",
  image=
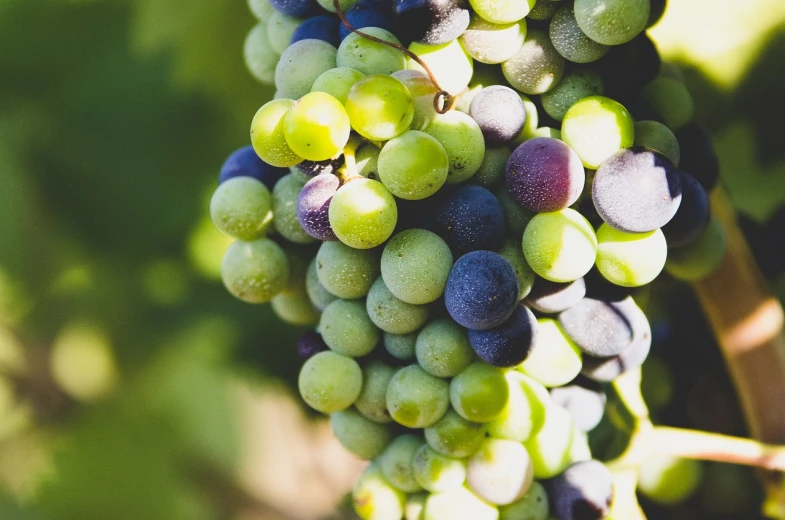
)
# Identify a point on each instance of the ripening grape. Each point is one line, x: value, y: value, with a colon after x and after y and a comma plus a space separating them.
x: 437, y: 473
x: 524, y: 414
x: 601, y: 328
x: 422, y: 91
x: 458, y: 503
x: 285, y: 195
x: 432, y: 22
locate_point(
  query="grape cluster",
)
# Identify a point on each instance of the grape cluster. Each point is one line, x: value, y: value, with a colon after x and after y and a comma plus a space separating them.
x: 465, y: 215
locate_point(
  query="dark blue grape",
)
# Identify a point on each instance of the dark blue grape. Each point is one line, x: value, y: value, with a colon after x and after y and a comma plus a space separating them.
x: 605, y: 370
x: 627, y: 68
x: 552, y: 297
x: 245, y: 163
x: 508, y: 344
x: 314, y: 168
x: 469, y: 218
x: 482, y: 290
x: 601, y: 328
x: 309, y: 344
x: 323, y: 28
x: 583, y: 492
x: 366, y: 13
x: 584, y: 399
x: 500, y: 113
x: 432, y: 22
x: 313, y: 205
x: 656, y: 12
x: 693, y: 215
x: 697, y: 155
x: 296, y: 8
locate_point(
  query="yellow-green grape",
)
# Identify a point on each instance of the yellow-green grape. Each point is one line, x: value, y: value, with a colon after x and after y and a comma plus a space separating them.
x: 417, y: 399
x: 320, y: 297
x: 374, y: 498
x: 698, y: 259
x: 669, y: 480
x: 380, y: 107
x: 280, y: 29
x: 370, y: 57
x: 372, y: 401
x: 413, y: 166
x: 450, y: 63
x: 397, y: 462
x: 488, y: 42
x: 415, y: 506
x: 361, y: 437
x: 502, y: 11
x: 363, y: 213
x: 597, y: 127
x: 260, y: 58
x: 532, y: 120
x: 317, y: 127
x: 242, y: 208
x: 295, y: 307
x: 458, y: 504
x: 555, y: 359
x: 344, y: 271
x: 514, y: 254
x: 267, y: 135
x: 579, y: 84
x: 391, y: 314
x: 330, y: 382
x: 453, y: 436
x: 366, y: 161
x: 658, y: 137
x: 557, y: 445
x: 344, y: 4
x: 524, y: 414
x: 462, y: 139
x: 287, y: 224
x: 493, y: 168
x: 337, y: 82
x: 560, y: 246
x: 255, y: 271
x: 443, y: 348
x: 630, y: 259
x: 300, y: 65
x: 423, y: 92
x: 671, y: 99
x: 437, y: 473
x: 479, y: 393
x: 347, y: 329
x: 415, y: 265
x: 500, y: 472
x: 534, y: 506
x: 537, y: 67
x: 261, y: 9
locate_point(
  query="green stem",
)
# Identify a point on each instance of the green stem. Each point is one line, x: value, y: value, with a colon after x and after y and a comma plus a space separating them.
x: 349, y: 169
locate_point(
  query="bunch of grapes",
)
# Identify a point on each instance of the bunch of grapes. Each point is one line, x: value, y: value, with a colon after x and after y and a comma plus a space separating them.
x: 463, y: 197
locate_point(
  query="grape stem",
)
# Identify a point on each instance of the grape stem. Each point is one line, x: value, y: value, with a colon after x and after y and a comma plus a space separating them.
x: 349, y: 171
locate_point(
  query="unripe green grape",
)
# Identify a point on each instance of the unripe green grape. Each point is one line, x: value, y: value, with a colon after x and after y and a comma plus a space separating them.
x: 415, y: 265
x: 317, y: 127
x: 671, y: 70
x: 330, y: 382
x: 658, y: 137
x: 551, y: 450
x: 544, y: 10
x: 415, y: 506
x: 579, y: 84
x: 370, y: 57
x: 295, y: 307
x: 537, y: 67
x: 347, y: 329
x: 612, y: 22
x: 524, y: 414
x: 437, y: 473
x: 361, y: 437
x: 344, y: 4
x: 555, y: 359
x: 462, y: 139
x: 346, y: 272
x: 669, y: 480
x: 363, y: 213
x: 493, y: 168
x: 255, y: 271
x: 443, y: 348
x: 479, y: 393
x: 671, y: 99
x: 397, y: 463
x: 337, y: 82
x: 502, y: 11
x: 450, y: 64
x: 242, y: 208
x: 320, y: 297
x: 260, y: 58
x: 453, y: 436
x: 570, y: 41
x: 374, y: 498
x: 261, y: 9
x: 423, y: 92
x: 366, y: 160
x: 267, y: 135
x: 492, y: 43
x: 514, y: 254
x: 458, y: 504
x: 301, y: 63
x: 534, y: 506
x: 380, y: 107
x: 417, y: 399
x: 413, y: 166
x: 280, y: 29
x: 698, y: 259
x: 401, y: 346
x: 500, y: 472
x: 560, y: 246
x: 630, y: 259
x: 391, y: 314
x: 287, y: 224
x: 597, y: 127
x: 516, y: 218
x: 372, y: 402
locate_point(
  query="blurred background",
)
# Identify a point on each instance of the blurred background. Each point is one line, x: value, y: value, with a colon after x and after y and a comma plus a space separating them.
x: 132, y: 386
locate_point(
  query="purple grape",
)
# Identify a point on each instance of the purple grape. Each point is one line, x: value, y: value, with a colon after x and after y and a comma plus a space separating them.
x: 545, y: 175
x: 366, y: 13
x: 245, y: 163
x: 469, y: 218
x: 601, y: 328
x: 500, y: 113
x: 552, y: 297
x: 508, y: 344
x: 693, y: 215
x: 583, y: 492
x: 309, y: 344
x: 313, y: 205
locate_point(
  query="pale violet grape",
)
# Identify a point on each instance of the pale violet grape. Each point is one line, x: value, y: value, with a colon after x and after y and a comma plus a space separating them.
x: 242, y: 208
x: 500, y: 472
x: 458, y: 504
x: 391, y: 314
x: 361, y: 437
x: 658, y: 137
x: 597, y: 127
x: 462, y: 139
x: 280, y: 29
x: 417, y: 399
x: 453, y: 436
x: 337, y: 82
x: 560, y: 246
x: 437, y: 473
x: 555, y: 359
x: 512, y: 251
x: 479, y: 393
x: 533, y: 506
x: 415, y: 265
x: 443, y: 348
x: 344, y: 271
x: 300, y: 64
x: 363, y: 213
x: 330, y: 382
x: 267, y: 136
x: 612, y: 22
x: 413, y: 166
x: 397, y: 462
x: 374, y: 498
x: 536, y: 68
x: 579, y: 84
x: 285, y: 218
x: 380, y: 107
x: 502, y: 11
x: 255, y: 271
x: 630, y: 259
x: 488, y: 42
x: 401, y: 346
x: 450, y: 63
x: 260, y: 58
x: 320, y: 297
x: 317, y: 127
x: 372, y: 401
x: 557, y: 445
x: 423, y: 92
x: 347, y: 329
x: 370, y: 57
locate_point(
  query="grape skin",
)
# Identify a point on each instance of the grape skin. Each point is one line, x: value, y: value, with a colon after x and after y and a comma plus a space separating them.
x: 347, y: 329
x: 241, y: 208
x: 363, y: 213
x: 255, y: 271
x: 415, y: 266
x: 361, y: 437
x: 330, y: 382
x: 267, y: 134
x: 300, y: 64
x: 391, y: 314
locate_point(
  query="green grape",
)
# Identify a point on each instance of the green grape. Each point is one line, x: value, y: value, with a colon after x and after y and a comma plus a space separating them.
x: 458, y: 504
x: 415, y: 266
x: 669, y: 480
x: 579, y: 84
x: 454, y: 436
x: 597, y: 127
x: 287, y: 224
x: 671, y: 70
x: 397, y: 463
x: 612, y: 22
x: 423, y: 92
x: 560, y: 246
x: 532, y: 120
x: 337, y: 82
x: 479, y: 393
x: 346, y: 272
x: 380, y: 107
x: 658, y: 137
x: 657, y: 384
x: 298, y: 258
x: 372, y: 402
x: 361, y: 437
x: 671, y: 99
x: 462, y: 139
x: 555, y: 359
x: 261, y: 9
x: 698, y: 259
x: 415, y: 506
x: 544, y: 10
x: 280, y: 29
x: 363, y: 213
x: 366, y: 161
x: 534, y: 506
x: 493, y: 168
x: 320, y: 297
x: 317, y: 127
x: 502, y: 11
x: 536, y: 68
x: 267, y: 135
x: 437, y: 473
x: 401, y: 346
x: 413, y: 166
x: 516, y: 218
x: 547, y: 131
x: 391, y: 314
x: 295, y: 307
x: 500, y: 472
x: 488, y: 42
x: 255, y: 271
x: 513, y: 253
x: 450, y: 64
x: 630, y: 259
x: 524, y: 414
x: 551, y: 450
x: 344, y: 4
x: 347, y: 329
x: 370, y: 57
x: 330, y: 382
x: 376, y: 499
x: 443, y: 348
x: 301, y: 63
x: 417, y: 399
x: 260, y: 58
x: 570, y: 41
x: 242, y: 208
